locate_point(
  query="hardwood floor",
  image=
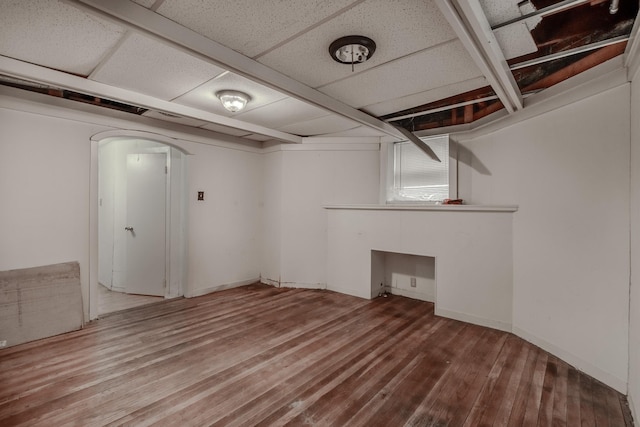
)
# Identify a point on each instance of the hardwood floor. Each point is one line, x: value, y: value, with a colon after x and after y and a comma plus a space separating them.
x: 110, y: 301
x: 259, y: 355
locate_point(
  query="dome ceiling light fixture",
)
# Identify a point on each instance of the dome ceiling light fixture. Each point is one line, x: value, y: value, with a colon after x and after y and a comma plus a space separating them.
x: 352, y: 50
x: 233, y: 100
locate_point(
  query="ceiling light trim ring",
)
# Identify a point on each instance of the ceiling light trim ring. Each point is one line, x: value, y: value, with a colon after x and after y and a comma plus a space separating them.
x: 352, y: 49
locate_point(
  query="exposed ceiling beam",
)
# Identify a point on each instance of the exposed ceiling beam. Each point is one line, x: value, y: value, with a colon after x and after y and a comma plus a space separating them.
x: 23, y: 70
x: 444, y: 108
x: 570, y: 52
x: 143, y: 20
x: 470, y: 24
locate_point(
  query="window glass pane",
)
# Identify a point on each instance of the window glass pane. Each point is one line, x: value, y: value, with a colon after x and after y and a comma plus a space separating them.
x: 417, y: 177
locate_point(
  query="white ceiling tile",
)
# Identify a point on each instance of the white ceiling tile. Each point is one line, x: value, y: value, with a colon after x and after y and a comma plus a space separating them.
x: 281, y: 113
x: 515, y: 40
x: 187, y: 121
x: 150, y: 67
x: 441, y: 66
x: 426, y: 97
x: 55, y: 35
x: 498, y: 11
x: 204, y: 98
x: 398, y: 28
x: 224, y: 129
x: 248, y: 26
x: 320, y: 126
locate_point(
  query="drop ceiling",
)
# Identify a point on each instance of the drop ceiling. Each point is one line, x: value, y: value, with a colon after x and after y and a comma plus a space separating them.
x: 167, y: 58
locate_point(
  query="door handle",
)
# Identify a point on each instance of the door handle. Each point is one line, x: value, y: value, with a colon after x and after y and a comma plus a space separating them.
x: 129, y: 228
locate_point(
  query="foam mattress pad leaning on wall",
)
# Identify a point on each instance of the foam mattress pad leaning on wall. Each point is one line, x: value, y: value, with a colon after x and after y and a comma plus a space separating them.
x: 39, y: 302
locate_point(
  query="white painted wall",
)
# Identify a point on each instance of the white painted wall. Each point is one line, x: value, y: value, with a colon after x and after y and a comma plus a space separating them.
x: 634, y: 315
x: 399, y: 269
x: 319, y: 172
x: 45, y: 183
x: 568, y: 170
x: 44, y: 192
x: 271, y: 218
x: 224, y: 238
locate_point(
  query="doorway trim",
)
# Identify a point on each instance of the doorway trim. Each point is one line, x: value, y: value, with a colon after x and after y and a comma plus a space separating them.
x: 94, y: 199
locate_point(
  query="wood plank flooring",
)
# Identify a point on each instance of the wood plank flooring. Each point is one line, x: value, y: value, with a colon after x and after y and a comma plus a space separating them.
x: 111, y: 301
x: 259, y: 355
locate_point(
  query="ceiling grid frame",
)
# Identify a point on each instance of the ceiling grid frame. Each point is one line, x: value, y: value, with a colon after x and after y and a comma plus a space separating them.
x: 23, y: 70
x: 419, y: 86
x: 480, y: 42
x: 145, y: 21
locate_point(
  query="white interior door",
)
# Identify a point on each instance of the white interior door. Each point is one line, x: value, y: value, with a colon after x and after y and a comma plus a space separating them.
x: 146, y: 223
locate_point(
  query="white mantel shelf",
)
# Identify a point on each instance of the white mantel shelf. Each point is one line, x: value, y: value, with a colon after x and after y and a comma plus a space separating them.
x: 447, y: 208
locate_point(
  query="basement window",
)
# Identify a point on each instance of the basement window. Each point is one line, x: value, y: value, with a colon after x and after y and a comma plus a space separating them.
x: 414, y: 177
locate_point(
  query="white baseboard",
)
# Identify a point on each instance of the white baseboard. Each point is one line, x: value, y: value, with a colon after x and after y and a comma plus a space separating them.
x: 481, y: 321
x: 409, y: 294
x: 210, y: 289
x: 270, y: 282
x: 349, y: 291
x: 579, y: 363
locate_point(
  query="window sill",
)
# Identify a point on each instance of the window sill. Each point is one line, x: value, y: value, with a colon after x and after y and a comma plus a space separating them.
x: 451, y: 208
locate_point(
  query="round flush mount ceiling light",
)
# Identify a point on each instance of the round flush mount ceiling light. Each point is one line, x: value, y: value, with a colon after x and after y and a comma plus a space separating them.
x: 233, y: 100
x: 352, y: 49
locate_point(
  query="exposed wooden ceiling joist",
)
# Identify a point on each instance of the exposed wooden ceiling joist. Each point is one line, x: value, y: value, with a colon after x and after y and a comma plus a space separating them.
x: 138, y: 18
x: 470, y: 24
x: 570, y: 52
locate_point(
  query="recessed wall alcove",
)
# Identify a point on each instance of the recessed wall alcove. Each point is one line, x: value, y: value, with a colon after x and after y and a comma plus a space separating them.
x: 412, y: 276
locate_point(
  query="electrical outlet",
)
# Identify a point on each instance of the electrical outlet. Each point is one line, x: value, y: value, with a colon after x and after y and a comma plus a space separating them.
x: 3, y: 343
x: 413, y: 282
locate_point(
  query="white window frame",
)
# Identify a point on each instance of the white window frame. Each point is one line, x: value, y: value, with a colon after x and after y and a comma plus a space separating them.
x: 387, y: 172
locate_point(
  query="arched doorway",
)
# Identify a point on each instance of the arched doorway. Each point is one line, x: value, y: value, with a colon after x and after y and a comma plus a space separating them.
x: 138, y: 221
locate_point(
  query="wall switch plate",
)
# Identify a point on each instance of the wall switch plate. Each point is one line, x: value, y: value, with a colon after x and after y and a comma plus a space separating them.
x: 200, y: 195
x: 413, y: 282
x: 3, y: 343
